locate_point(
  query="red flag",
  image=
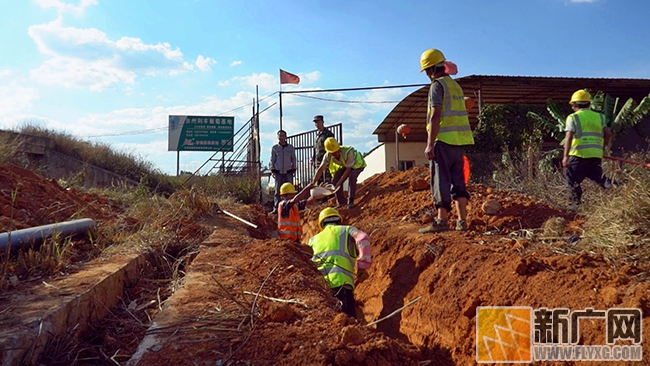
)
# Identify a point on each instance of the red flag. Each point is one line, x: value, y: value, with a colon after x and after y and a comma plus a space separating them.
x: 288, y: 78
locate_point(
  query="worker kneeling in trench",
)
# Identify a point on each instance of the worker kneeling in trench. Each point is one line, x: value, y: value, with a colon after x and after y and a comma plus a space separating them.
x: 335, y: 256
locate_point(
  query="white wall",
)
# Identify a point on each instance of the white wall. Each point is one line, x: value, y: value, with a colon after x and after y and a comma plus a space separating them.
x: 375, y: 163
x: 383, y: 158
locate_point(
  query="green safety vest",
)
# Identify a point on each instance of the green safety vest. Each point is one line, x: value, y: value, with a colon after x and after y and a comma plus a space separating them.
x: 333, y: 255
x: 454, y: 124
x: 345, y: 150
x: 588, y: 138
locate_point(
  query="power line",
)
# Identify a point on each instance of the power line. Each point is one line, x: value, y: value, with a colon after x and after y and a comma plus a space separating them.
x: 353, y: 89
x: 348, y: 101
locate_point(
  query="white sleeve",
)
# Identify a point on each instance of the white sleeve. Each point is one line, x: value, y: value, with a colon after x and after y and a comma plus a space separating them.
x: 570, y: 125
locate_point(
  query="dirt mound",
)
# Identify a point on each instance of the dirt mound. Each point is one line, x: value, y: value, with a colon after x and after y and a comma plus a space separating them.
x: 392, y: 196
x: 28, y: 200
x: 495, y: 263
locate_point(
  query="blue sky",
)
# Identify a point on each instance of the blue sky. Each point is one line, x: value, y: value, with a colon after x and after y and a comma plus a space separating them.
x: 113, y: 71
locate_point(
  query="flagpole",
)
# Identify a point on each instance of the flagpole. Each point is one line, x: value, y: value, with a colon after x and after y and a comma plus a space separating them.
x: 280, y: 95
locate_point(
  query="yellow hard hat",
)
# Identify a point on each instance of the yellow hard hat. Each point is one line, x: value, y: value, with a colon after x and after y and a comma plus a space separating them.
x: 326, y: 213
x: 331, y: 145
x: 581, y: 96
x: 287, y: 188
x: 430, y: 58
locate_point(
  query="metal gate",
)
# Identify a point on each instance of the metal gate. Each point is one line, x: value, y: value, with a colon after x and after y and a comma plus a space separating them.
x: 304, y: 146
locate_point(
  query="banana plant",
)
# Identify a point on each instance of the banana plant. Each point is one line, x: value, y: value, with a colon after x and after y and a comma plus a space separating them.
x: 554, y: 126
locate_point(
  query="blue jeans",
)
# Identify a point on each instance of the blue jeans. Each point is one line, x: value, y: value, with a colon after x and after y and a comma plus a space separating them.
x: 279, y: 180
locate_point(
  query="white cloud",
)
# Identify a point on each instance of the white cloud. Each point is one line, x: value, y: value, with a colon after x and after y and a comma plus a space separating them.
x: 266, y: 82
x: 310, y: 77
x: 62, y: 7
x: 235, y: 63
x: 203, y: 63
x: 88, y: 59
x: 16, y: 102
x: 583, y: 1
x: 223, y: 83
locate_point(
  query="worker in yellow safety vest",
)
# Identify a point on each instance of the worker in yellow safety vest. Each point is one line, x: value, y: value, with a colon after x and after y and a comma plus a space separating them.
x: 336, y: 249
x: 343, y: 162
x: 289, y: 226
x: 448, y: 130
x: 586, y: 136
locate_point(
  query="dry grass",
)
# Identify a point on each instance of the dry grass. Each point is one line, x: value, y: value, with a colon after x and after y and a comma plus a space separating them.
x: 619, y: 219
x: 532, y: 174
x: 52, y: 255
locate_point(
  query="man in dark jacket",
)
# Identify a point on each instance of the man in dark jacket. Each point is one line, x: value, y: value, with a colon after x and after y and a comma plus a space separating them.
x: 283, y: 165
x: 319, y: 146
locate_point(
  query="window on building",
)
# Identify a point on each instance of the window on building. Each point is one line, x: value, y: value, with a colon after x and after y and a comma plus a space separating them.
x: 405, y: 165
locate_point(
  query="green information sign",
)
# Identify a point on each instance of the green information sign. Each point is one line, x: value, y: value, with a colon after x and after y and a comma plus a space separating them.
x: 201, y: 133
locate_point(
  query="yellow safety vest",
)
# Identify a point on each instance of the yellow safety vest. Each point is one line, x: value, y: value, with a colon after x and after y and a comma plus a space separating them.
x: 289, y: 228
x: 454, y: 124
x: 345, y: 150
x: 333, y: 255
x: 588, y: 138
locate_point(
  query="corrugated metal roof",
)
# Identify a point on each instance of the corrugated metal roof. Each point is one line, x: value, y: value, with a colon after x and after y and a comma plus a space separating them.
x: 496, y: 89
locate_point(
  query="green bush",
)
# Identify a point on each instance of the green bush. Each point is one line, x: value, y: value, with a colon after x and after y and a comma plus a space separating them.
x: 506, y: 127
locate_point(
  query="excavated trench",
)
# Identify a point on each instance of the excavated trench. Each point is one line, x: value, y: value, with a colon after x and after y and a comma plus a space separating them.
x: 282, y: 310
x: 114, y: 338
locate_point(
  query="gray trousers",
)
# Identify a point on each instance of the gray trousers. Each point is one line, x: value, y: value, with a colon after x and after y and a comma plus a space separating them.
x: 352, y: 185
x: 447, y: 179
x: 279, y: 180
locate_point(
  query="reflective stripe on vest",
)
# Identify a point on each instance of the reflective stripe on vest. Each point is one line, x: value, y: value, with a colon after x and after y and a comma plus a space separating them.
x: 289, y: 228
x: 345, y: 150
x: 454, y: 124
x: 588, y: 138
x: 332, y: 255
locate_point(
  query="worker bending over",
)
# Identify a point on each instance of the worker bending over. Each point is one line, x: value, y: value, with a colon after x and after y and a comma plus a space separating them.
x: 343, y: 162
x: 336, y: 249
x: 289, y: 226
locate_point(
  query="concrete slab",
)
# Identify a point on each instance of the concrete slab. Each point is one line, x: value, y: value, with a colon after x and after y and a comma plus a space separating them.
x: 42, y: 311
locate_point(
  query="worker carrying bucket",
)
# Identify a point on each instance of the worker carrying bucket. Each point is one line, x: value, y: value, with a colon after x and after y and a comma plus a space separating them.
x: 344, y: 163
x: 289, y: 226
